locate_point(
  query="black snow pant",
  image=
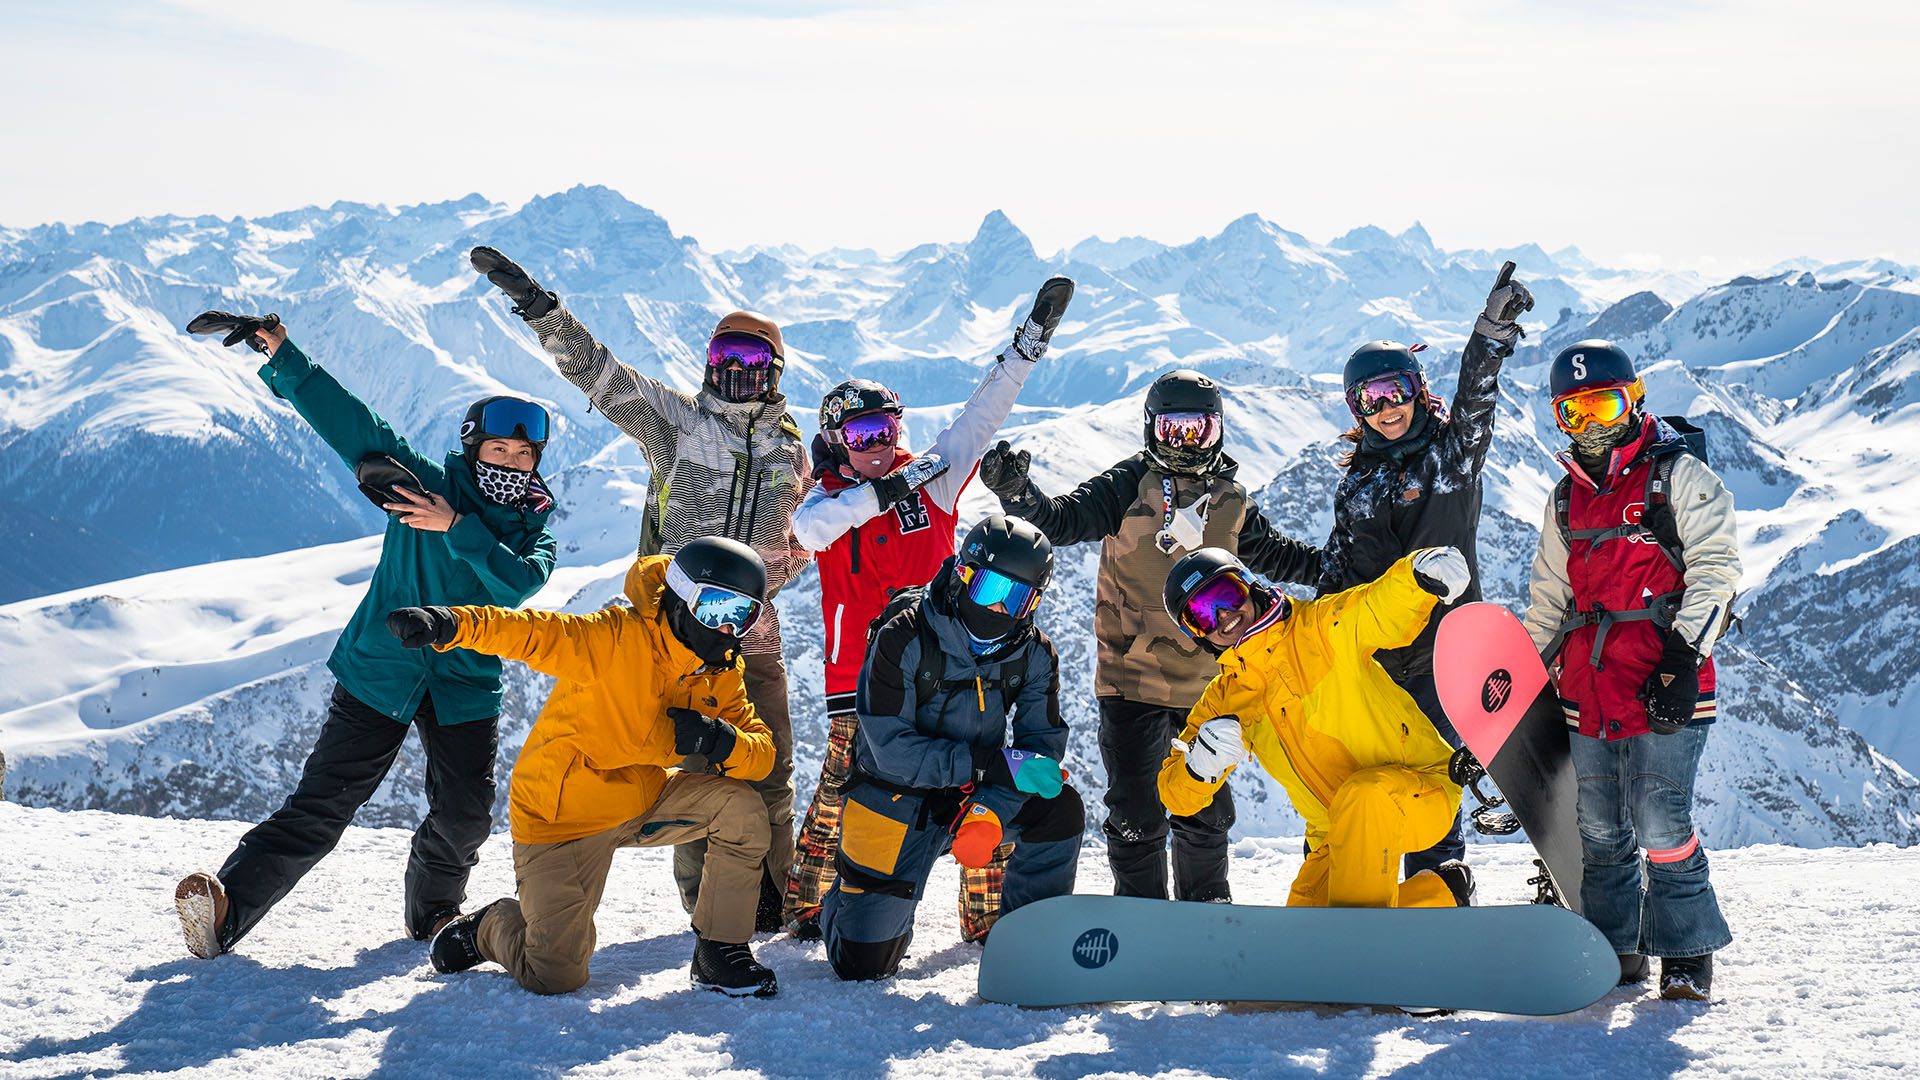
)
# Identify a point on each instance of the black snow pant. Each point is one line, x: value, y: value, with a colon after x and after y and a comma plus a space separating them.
x: 1133, y: 743
x: 1420, y: 687
x: 355, y: 749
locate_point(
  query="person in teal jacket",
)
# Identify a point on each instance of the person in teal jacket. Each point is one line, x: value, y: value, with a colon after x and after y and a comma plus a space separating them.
x: 470, y: 529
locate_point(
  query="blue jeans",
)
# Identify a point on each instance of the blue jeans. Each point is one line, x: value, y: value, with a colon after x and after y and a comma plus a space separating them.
x: 1638, y: 793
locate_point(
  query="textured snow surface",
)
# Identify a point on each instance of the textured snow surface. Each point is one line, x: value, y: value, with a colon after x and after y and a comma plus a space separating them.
x: 1823, y: 980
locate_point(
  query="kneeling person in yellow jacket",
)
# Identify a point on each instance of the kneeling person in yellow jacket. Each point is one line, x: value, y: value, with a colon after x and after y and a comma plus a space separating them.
x: 639, y: 688
x: 1299, y: 688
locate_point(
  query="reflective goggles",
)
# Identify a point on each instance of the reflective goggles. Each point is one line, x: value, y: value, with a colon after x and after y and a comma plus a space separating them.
x: 1193, y: 429
x: 747, y: 350
x: 1201, y: 613
x: 871, y: 431
x: 513, y: 418
x: 1382, y: 392
x: 989, y: 587
x: 1606, y: 406
x: 715, y: 607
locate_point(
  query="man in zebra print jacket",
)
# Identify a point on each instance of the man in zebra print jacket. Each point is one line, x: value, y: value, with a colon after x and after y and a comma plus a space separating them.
x: 728, y: 461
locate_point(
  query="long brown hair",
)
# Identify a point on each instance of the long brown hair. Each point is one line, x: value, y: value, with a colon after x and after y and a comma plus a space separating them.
x: 1353, y: 435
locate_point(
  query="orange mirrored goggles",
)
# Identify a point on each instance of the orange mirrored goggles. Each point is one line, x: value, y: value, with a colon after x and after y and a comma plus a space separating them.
x: 1606, y: 406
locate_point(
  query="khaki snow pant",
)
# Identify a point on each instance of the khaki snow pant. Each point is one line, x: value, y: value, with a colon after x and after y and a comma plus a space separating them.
x: 766, y: 679
x: 1377, y: 816
x: 546, y: 937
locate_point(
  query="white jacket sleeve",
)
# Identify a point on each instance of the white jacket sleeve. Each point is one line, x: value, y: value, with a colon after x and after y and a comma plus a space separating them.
x: 1703, y: 512
x: 966, y: 439
x: 1549, y: 593
x: 825, y: 516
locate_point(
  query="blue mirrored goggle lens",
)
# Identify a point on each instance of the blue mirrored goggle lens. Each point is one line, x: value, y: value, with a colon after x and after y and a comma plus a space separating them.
x: 715, y: 608
x: 989, y: 587
x: 513, y: 418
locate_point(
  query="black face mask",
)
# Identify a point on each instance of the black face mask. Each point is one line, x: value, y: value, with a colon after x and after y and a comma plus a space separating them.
x: 986, y: 623
x: 710, y: 645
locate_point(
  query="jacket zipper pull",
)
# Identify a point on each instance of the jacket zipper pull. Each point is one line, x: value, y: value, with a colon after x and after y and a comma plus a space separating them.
x: 980, y: 692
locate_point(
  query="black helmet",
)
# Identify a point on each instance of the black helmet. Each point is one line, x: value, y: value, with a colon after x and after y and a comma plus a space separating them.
x: 856, y: 397
x: 1377, y: 358
x: 1184, y: 391
x: 1588, y: 365
x: 504, y: 416
x: 1195, y: 571
x: 1012, y: 546
x: 716, y: 560
x: 1003, y: 561
x: 706, y: 620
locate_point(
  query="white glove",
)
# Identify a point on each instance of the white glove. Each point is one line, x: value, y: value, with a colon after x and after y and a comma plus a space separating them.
x: 1216, y: 748
x: 1444, y: 571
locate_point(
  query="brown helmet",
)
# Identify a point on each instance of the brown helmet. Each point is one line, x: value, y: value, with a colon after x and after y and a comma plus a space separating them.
x: 752, y: 322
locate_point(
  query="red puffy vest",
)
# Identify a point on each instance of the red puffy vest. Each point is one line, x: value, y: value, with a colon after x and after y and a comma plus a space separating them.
x: 1619, y: 574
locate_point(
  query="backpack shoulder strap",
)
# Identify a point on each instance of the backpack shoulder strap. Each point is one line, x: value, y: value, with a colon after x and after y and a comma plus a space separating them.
x: 933, y: 662
x: 1657, y: 516
x: 1562, y: 508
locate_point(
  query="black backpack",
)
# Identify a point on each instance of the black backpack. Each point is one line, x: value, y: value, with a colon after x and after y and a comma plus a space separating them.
x: 930, y: 679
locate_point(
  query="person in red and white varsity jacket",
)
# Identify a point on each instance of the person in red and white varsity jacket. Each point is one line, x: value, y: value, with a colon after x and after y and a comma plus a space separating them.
x: 883, y: 519
x: 1634, y: 579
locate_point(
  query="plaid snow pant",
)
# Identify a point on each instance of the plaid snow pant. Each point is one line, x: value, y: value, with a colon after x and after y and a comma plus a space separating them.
x: 812, y: 876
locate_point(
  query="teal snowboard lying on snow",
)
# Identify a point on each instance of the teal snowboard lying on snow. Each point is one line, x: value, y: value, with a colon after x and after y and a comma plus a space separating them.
x: 1534, y: 959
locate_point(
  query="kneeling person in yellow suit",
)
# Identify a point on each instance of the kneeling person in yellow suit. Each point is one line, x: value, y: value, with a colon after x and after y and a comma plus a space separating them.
x: 639, y: 688
x: 1299, y: 688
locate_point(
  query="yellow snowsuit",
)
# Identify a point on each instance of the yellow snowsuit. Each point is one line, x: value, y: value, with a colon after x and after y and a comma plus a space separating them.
x: 1360, y: 761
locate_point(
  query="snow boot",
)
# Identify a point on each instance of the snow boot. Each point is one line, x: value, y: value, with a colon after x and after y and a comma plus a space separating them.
x: 201, y: 903
x: 806, y: 926
x: 1686, y: 978
x: 456, y: 945
x: 731, y: 970
x: 435, y: 924
x: 1459, y: 879
x: 1633, y: 968
x: 773, y: 902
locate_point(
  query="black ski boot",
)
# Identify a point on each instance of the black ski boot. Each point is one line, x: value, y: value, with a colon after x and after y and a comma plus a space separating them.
x: 731, y: 970
x: 1459, y: 879
x: 1686, y: 978
x: 456, y: 945
x: 1633, y: 968
x: 806, y: 926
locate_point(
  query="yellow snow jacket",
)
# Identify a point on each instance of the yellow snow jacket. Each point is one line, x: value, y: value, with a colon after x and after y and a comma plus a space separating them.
x: 1314, y: 706
x: 599, y: 753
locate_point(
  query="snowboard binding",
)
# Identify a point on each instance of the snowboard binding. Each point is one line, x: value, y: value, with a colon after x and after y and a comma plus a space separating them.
x: 237, y: 328
x: 1488, y: 819
x: 1544, y: 890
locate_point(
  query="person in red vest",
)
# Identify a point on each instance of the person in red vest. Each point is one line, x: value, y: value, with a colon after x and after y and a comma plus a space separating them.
x: 1631, y: 587
x: 882, y: 519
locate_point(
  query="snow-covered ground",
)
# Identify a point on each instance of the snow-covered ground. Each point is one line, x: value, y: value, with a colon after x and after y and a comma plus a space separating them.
x: 1823, y: 980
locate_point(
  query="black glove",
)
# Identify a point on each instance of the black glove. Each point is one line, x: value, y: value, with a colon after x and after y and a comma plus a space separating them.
x: 694, y: 733
x: 899, y: 485
x: 237, y: 328
x: 1465, y: 769
x: 1671, y: 692
x: 1005, y: 472
x: 1508, y: 300
x: 1049, y: 305
x: 419, y: 627
x: 530, y: 301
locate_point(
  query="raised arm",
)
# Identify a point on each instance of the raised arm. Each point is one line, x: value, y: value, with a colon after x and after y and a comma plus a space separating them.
x: 576, y: 647
x: 346, y: 423
x: 1388, y: 612
x: 1092, y: 511
x: 1469, y: 430
x: 1276, y: 557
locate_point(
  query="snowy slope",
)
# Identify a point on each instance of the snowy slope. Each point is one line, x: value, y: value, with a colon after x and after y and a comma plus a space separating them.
x: 94, y: 981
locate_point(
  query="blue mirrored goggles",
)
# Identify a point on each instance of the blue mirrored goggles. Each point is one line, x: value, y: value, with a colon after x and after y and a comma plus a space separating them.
x: 717, y: 608
x: 989, y: 587
x: 513, y: 418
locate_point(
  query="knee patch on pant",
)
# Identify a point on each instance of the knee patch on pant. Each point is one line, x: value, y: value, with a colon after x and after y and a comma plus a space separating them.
x: 1062, y: 817
x: 862, y: 960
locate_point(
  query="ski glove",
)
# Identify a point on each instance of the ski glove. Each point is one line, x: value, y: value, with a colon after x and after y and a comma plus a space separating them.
x: 1673, y: 690
x: 1443, y: 572
x: 1216, y: 748
x: 707, y: 736
x: 1505, y: 304
x: 1030, y: 342
x: 237, y: 328
x: 530, y: 301
x: 419, y: 627
x: 1021, y: 770
x: 1005, y: 472
x: 976, y: 833
x: 899, y: 485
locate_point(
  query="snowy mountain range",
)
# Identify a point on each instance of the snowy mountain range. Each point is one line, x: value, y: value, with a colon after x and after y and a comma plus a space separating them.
x: 185, y: 550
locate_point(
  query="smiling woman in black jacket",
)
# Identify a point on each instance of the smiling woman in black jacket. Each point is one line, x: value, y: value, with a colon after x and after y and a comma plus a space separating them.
x: 1413, y: 481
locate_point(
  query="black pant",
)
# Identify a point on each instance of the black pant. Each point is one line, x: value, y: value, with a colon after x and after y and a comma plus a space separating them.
x: 1133, y: 742
x: 355, y: 749
x: 1425, y: 694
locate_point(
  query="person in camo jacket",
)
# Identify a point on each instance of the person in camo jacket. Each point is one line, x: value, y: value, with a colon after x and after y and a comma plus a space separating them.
x: 883, y: 519
x: 727, y: 461
x: 1176, y: 495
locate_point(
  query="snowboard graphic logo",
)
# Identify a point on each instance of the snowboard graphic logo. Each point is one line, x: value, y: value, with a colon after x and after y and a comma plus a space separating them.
x: 1496, y: 690
x: 1096, y: 947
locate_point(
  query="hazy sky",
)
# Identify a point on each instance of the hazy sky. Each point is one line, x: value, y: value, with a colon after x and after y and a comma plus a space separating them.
x: 1718, y: 136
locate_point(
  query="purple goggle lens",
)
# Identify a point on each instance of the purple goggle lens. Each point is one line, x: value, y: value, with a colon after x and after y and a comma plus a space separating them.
x: 747, y: 350
x: 1203, y: 608
x: 1190, y: 429
x: 872, y: 431
x: 1382, y: 392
